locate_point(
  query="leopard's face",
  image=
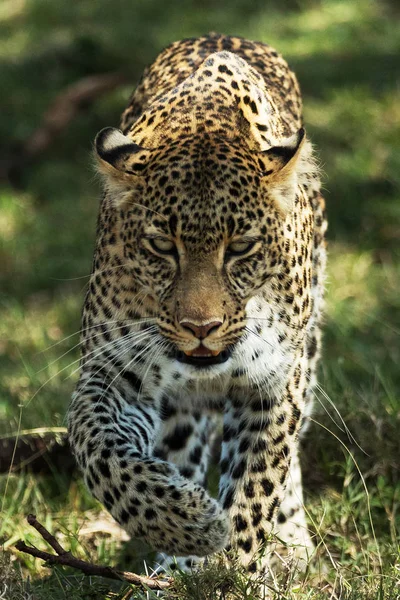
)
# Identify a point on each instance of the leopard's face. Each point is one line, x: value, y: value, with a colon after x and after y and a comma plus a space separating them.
x: 201, y: 235
x: 200, y: 189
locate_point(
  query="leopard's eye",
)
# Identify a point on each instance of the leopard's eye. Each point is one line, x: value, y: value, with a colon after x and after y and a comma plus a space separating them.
x: 162, y: 245
x: 240, y: 247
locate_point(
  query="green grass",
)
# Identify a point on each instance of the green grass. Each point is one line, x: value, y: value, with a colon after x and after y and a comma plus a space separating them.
x: 346, y: 55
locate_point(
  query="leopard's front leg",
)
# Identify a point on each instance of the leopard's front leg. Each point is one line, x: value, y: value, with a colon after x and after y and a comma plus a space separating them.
x: 114, y: 442
x: 259, y: 440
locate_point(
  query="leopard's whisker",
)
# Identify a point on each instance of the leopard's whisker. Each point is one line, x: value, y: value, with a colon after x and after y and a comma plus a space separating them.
x: 94, y: 273
x: 147, y: 208
x: 133, y: 337
x: 92, y: 336
x: 345, y: 428
x: 106, y: 366
x: 258, y: 336
x: 112, y: 361
x: 53, y: 376
x: 127, y: 321
x: 98, y: 325
x: 129, y: 363
x: 163, y: 344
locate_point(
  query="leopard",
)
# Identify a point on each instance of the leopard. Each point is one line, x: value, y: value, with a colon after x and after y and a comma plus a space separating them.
x: 202, y: 317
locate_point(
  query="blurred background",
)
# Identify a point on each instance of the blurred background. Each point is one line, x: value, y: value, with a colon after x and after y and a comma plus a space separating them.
x: 67, y: 68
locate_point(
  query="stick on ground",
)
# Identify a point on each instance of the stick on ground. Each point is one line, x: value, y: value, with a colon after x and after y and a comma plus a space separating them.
x: 64, y: 557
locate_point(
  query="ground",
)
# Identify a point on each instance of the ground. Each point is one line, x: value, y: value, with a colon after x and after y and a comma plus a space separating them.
x: 346, y: 57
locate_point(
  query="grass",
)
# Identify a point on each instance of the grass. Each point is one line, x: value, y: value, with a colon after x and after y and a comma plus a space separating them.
x: 346, y: 56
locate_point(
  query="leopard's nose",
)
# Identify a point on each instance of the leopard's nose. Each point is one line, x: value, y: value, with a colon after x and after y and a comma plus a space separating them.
x: 203, y: 330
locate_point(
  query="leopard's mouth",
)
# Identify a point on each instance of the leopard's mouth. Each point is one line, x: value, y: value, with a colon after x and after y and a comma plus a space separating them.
x: 203, y: 357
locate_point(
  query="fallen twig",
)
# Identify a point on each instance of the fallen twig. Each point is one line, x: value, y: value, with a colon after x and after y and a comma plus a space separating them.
x: 40, y: 450
x: 64, y: 557
x: 64, y: 108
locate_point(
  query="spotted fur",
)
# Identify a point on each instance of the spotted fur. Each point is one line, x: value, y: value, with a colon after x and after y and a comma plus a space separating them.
x: 204, y: 300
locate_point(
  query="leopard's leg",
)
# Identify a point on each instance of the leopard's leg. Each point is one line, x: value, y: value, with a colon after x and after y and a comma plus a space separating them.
x: 184, y: 440
x: 259, y: 443
x: 291, y: 527
x: 114, y: 442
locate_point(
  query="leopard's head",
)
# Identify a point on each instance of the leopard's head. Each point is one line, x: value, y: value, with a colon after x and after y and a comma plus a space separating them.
x: 200, y: 196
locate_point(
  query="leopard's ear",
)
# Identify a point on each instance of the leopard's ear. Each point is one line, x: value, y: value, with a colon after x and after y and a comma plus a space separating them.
x: 118, y: 155
x: 286, y: 154
x: 282, y: 164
